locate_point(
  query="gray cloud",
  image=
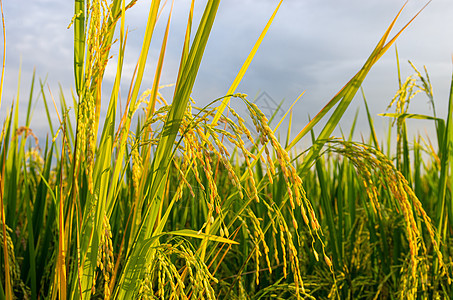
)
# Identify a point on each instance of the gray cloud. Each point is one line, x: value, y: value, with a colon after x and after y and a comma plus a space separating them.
x: 315, y: 46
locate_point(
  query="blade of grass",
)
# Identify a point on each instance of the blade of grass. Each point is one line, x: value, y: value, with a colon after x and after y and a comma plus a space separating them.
x: 79, y: 44
x: 245, y: 66
x: 30, y: 99
x: 370, y: 122
x: 197, y: 235
x: 13, y: 165
x: 445, y: 178
x: 186, y: 45
x: 8, y: 284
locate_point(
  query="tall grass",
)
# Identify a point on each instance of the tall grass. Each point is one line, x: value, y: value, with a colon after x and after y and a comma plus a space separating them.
x: 170, y: 203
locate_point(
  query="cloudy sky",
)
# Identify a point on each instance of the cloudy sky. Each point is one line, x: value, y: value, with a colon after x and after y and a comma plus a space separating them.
x: 313, y: 45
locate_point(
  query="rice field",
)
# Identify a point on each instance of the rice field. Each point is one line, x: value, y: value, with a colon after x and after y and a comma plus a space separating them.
x: 163, y: 199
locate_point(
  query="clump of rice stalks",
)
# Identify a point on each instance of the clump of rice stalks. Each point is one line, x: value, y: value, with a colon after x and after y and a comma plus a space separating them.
x: 376, y: 170
x: 295, y: 192
x: 174, y: 264
x: 202, y: 145
x: 11, y: 265
x: 89, y: 80
x: 412, y: 86
x: 106, y: 257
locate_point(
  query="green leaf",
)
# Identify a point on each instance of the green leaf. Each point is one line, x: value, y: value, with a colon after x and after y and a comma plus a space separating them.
x: 201, y: 235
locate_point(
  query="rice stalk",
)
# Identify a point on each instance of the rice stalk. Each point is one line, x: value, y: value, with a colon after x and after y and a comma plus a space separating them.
x: 369, y: 161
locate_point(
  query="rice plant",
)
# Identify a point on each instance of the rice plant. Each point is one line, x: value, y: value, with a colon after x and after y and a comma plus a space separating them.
x: 167, y: 200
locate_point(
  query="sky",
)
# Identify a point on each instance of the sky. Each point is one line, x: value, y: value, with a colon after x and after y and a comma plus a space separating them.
x: 314, y: 46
